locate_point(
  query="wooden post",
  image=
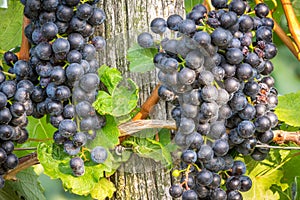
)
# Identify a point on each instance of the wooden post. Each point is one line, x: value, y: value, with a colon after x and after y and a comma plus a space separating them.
x: 125, y: 19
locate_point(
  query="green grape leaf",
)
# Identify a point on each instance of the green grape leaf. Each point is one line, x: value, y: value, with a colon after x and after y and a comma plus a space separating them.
x: 120, y: 102
x: 108, y: 136
x: 104, y: 188
x: 40, y: 130
x: 141, y: 59
x: 189, y: 4
x: 110, y: 77
x: 8, y: 192
x: 150, y: 148
x: 56, y: 165
x: 288, y: 108
x: 27, y: 185
x: 11, y: 25
x: 263, y: 176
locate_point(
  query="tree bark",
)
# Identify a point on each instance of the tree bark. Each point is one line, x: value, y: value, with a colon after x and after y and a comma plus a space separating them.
x: 125, y: 19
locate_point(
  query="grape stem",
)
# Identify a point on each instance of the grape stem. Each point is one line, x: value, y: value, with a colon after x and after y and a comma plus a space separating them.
x: 277, y: 147
x: 25, y: 148
x: 9, y: 74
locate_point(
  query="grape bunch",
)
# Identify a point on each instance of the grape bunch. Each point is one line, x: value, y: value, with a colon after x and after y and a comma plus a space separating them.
x: 216, y: 72
x: 59, y: 80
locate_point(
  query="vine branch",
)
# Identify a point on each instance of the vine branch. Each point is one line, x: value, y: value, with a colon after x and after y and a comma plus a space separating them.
x: 24, y: 163
x: 23, y: 54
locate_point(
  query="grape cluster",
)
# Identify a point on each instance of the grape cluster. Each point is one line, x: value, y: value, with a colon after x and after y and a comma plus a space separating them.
x: 59, y: 80
x: 216, y: 72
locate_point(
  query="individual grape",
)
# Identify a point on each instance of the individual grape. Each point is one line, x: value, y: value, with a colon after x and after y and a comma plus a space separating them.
x: 58, y: 75
x: 97, y: 17
x: 89, y: 82
x: 231, y: 84
x: 244, y: 72
x: 187, y: 125
x: 67, y: 128
x: 228, y: 19
x: 3, y: 155
x: 224, y: 112
x: 3, y: 100
x: 79, y: 139
x: 74, y: 72
x: 246, y: 23
x: 217, y: 128
x: 5, y: 116
x: 99, y: 42
x: 189, y: 111
x: 264, y: 33
x: 203, y: 129
x: 58, y: 138
x: 238, y: 102
x: 62, y: 93
x: 84, y: 109
x: 238, y: 168
x: 234, y: 195
x: 49, y: 30
x: 173, y: 22
x: 189, y: 195
x: 165, y: 94
x: 11, y: 161
x: 219, y: 4
x: 209, y: 93
x: 6, y: 132
x: 99, y: 154
x: 8, y: 146
x: 246, y: 183
x: 237, y: 6
x: 43, y: 51
x: 262, y: 124
x: 69, y: 111
x: 194, y: 140
x: 218, y: 194
x: 246, y: 129
x: 61, y: 45
x: 76, y: 41
x: 10, y: 58
x: 258, y: 155
x: 76, y: 163
x: 234, y: 56
x: 194, y: 60
x: 204, y: 177
x: 186, y: 76
x: 74, y: 56
x: 220, y: 147
x: 175, y: 190
x: 261, y: 10
x: 221, y: 37
x: 70, y: 148
x: 205, y: 153
x: 223, y: 97
x: 266, y: 137
x: 189, y: 156
x: 187, y: 26
x: 84, y: 11
x: 64, y: 13
x: 21, y: 68
x: 158, y: 25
